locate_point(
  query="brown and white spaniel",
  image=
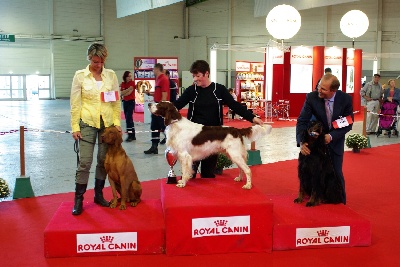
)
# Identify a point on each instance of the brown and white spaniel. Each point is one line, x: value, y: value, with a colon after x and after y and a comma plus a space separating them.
x: 191, y: 141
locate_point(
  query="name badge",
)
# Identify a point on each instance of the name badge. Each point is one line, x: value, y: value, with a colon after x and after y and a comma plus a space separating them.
x: 342, y: 122
x: 110, y: 96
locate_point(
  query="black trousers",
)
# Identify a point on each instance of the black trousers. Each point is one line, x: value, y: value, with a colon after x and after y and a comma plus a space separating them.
x: 129, y: 107
x: 337, y: 162
x: 157, y: 125
x: 207, y: 167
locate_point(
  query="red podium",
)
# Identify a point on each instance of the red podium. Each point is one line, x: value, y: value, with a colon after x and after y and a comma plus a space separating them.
x: 215, y: 216
x: 105, y: 231
x: 299, y: 227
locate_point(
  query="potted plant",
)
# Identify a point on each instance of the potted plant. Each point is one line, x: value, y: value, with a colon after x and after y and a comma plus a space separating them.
x: 4, y: 189
x: 356, y: 142
x: 222, y: 162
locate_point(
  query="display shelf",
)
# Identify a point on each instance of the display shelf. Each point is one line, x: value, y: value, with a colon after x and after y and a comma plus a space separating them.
x: 249, y: 80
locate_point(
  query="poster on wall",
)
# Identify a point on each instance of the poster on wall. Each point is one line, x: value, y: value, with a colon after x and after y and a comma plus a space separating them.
x: 301, y: 78
x: 350, y: 80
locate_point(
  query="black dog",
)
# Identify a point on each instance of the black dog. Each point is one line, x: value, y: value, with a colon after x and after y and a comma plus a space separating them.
x: 315, y: 171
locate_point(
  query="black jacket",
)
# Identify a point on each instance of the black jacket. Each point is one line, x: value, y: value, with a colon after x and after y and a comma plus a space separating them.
x: 206, y: 104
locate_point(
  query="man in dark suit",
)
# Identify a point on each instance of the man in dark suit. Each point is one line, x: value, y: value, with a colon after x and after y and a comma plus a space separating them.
x: 327, y: 105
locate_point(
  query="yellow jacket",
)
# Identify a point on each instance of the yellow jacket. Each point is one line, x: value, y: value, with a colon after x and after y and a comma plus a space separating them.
x: 86, y: 104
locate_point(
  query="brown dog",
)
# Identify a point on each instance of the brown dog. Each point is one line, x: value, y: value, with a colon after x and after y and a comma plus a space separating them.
x: 121, y: 173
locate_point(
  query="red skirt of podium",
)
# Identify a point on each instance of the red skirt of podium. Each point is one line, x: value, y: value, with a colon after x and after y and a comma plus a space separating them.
x: 327, y: 225
x: 215, y: 216
x: 105, y: 231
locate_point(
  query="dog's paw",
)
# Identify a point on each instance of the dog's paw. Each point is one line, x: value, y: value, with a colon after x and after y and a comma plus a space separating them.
x: 298, y: 200
x: 122, y: 206
x: 180, y: 185
x: 310, y: 204
x: 237, y: 179
x: 247, y: 186
x: 134, y: 203
x: 113, y: 204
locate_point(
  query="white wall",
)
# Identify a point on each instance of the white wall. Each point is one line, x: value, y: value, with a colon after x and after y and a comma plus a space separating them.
x: 151, y: 33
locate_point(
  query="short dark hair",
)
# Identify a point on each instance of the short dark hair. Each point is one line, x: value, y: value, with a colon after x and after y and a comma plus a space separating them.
x: 377, y: 75
x: 328, y: 70
x: 126, y: 74
x: 200, y: 66
x: 159, y: 66
x: 167, y: 72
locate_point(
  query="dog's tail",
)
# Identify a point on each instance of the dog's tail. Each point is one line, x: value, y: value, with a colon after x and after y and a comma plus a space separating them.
x: 255, y: 132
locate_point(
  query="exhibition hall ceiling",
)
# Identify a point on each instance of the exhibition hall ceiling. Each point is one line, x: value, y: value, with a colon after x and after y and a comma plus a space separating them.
x: 262, y: 7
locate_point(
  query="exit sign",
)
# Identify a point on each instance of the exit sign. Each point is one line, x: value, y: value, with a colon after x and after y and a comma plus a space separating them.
x: 7, y: 37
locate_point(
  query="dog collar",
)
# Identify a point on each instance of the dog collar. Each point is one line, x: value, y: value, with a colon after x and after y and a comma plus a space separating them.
x: 312, y: 134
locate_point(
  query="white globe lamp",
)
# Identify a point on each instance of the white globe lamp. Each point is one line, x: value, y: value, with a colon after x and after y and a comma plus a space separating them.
x: 354, y: 23
x: 283, y: 22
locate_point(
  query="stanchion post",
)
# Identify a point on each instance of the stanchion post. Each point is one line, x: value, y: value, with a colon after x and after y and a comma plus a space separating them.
x: 364, y: 128
x: 23, y: 187
x: 253, y: 155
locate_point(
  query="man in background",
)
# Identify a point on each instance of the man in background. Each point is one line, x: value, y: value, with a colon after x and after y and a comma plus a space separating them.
x: 372, y: 93
x: 327, y: 70
x: 161, y: 93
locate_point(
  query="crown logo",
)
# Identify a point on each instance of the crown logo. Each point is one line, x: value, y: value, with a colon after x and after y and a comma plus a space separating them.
x: 107, y: 238
x: 220, y: 222
x: 323, y: 233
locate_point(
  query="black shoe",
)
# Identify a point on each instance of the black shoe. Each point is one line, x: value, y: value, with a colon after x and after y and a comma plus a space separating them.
x: 163, y: 141
x: 153, y: 150
x: 80, y: 189
x: 128, y: 139
x: 98, y: 193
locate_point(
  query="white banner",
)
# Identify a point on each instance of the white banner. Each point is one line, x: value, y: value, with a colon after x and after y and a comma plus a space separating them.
x: 322, y: 236
x: 333, y: 56
x: 168, y: 63
x: 301, y: 79
x: 350, y: 57
x: 302, y: 55
x: 216, y: 226
x: 105, y: 242
x: 242, y: 66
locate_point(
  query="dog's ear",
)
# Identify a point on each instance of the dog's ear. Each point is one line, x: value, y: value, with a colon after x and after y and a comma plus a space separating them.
x: 167, y: 117
x: 175, y: 115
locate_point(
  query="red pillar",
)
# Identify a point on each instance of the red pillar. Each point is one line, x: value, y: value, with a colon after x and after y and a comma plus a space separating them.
x: 357, y: 79
x: 343, y: 86
x: 318, y: 63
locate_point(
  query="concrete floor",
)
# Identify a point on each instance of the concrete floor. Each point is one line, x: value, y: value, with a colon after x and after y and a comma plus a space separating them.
x: 50, y: 160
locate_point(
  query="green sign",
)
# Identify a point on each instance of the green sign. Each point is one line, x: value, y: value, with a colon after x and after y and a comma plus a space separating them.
x: 7, y: 38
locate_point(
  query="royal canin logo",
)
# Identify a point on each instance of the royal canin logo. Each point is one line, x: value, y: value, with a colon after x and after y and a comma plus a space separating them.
x: 322, y: 236
x: 235, y: 225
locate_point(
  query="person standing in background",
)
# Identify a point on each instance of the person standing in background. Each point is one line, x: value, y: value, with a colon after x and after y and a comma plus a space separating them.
x: 327, y: 70
x: 372, y: 93
x: 172, y: 86
x: 128, y: 98
x: 161, y: 93
x: 95, y: 105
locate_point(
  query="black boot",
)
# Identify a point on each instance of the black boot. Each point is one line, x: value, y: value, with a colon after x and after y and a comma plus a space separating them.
x: 98, y: 193
x: 80, y: 189
x: 153, y: 149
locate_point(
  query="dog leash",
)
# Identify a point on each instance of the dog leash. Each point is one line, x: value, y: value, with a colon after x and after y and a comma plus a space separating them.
x: 76, y: 149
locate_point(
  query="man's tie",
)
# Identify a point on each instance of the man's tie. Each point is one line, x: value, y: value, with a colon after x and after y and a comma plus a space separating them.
x: 328, y: 110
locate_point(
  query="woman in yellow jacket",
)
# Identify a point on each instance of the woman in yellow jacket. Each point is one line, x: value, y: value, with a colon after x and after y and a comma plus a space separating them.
x: 95, y: 104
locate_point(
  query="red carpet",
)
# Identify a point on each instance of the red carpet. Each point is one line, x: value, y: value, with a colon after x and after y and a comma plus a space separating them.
x: 372, y: 192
